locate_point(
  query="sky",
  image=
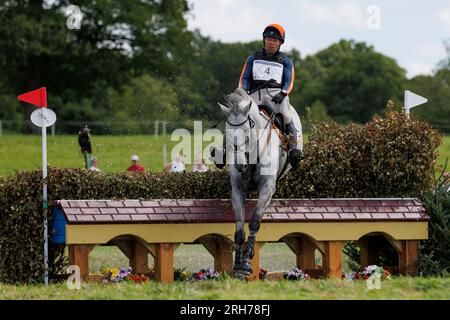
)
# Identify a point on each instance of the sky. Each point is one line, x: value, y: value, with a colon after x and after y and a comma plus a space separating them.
x: 410, y: 31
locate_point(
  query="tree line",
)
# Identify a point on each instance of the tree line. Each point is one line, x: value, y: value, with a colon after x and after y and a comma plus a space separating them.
x: 136, y: 60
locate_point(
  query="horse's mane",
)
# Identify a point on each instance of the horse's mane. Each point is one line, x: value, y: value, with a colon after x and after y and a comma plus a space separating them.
x: 234, y: 99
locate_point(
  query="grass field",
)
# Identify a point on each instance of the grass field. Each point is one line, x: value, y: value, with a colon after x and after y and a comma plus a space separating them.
x: 397, y: 288
x: 274, y: 257
x: 23, y: 152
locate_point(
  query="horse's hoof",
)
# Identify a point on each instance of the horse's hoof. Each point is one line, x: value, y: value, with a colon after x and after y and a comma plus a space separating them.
x: 245, y: 268
x: 237, y: 274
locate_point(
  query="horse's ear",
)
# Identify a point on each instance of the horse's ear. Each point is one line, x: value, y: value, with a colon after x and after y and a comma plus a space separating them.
x: 224, y: 108
x: 247, y: 107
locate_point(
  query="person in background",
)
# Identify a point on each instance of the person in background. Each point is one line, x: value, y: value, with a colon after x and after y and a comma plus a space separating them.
x: 167, y: 167
x: 200, y: 165
x: 84, y: 140
x: 178, y: 165
x: 135, y: 166
x: 94, y: 165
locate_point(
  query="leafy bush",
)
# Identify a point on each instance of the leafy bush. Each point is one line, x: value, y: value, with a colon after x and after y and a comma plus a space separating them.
x: 435, y: 252
x: 388, y: 157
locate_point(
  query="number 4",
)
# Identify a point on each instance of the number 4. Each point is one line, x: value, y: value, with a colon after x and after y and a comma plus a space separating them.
x: 267, y: 71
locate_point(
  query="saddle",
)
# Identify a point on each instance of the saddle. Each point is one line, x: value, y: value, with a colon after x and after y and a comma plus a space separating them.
x: 277, y: 121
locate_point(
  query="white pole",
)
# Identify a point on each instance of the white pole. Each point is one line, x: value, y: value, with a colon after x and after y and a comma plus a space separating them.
x: 44, y: 192
x: 406, y: 106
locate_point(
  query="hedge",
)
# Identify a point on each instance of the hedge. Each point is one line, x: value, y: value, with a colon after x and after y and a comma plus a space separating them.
x: 390, y: 156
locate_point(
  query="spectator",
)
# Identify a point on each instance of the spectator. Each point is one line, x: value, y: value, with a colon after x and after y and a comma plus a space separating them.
x: 84, y: 140
x: 178, y: 165
x: 167, y: 167
x: 135, y: 166
x: 94, y: 165
x: 200, y: 165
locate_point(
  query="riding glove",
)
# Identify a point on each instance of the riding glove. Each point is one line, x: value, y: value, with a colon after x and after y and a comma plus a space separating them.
x: 279, y: 97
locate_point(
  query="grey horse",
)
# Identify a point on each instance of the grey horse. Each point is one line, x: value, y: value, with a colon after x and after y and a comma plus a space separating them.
x: 257, y: 159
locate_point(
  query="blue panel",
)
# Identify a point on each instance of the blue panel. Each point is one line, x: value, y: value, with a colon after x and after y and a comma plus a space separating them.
x: 58, y: 232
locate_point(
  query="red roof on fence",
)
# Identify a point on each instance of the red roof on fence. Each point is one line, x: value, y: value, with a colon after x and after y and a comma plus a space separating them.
x: 220, y: 211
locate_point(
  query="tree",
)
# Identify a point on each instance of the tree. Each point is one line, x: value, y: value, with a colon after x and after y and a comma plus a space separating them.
x: 141, y: 102
x: 318, y: 112
x: 437, y: 89
x: 353, y: 80
x: 117, y: 40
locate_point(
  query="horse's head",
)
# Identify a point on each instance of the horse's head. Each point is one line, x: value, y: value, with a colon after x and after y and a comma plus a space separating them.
x: 238, y: 128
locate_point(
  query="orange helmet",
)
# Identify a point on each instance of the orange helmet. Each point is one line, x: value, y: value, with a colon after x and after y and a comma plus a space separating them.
x: 275, y: 31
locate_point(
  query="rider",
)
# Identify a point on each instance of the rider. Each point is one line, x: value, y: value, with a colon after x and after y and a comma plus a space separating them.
x: 268, y: 76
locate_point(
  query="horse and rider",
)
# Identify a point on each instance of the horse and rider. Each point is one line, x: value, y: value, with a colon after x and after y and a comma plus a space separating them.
x: 253, y: 146
x: 268, y: 77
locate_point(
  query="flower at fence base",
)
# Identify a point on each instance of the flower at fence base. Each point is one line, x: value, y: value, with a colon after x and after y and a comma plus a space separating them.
x: 372, y: 270
x: 262, y: 273
x: 116, y: 275
x: 205, y: 274
x: 295, y: 274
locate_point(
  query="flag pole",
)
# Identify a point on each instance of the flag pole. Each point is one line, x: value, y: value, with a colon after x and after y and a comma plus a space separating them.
x: 44, y: 193
x: 406, y: 105
x: 38, y: 98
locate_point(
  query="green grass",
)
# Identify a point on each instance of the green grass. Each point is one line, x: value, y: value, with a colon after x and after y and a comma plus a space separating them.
x: 274, y: 256
x: 397, y: 288
x: 23, y: 152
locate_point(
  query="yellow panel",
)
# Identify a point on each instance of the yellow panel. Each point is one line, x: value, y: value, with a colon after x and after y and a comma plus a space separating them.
x: 269, y: 232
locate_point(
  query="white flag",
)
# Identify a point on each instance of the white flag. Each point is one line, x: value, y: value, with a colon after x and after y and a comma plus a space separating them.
x: 412, y: 100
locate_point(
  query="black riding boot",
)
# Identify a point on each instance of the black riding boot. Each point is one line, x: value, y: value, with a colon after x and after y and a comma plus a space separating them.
x: 294, y: 154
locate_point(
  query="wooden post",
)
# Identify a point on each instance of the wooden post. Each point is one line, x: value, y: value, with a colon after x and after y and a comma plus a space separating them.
x: 164, y: 262
x: 367, y: 253
x: 139, y: 258
x: 307, y: 257
x: 332, y: 259
x: 79, y: 256
x: 409, y: 257
x: 255, y: 262
x: 222, y: 251
x: 304, y: 250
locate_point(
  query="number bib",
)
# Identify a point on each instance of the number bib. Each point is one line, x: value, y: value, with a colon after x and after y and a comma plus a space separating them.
x: 266, y: 70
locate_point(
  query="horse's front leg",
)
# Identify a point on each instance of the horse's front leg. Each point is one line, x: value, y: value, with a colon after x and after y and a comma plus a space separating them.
x: 266, y: 191
x: 238, y: 202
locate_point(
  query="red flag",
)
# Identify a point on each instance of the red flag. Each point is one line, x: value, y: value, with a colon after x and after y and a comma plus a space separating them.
x: 37, y: 97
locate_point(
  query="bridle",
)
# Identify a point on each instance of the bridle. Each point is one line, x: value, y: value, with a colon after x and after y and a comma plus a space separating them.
x: 249, y: 119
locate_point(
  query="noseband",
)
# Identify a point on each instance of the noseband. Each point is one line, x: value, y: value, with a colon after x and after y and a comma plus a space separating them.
x: 249, y: 119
